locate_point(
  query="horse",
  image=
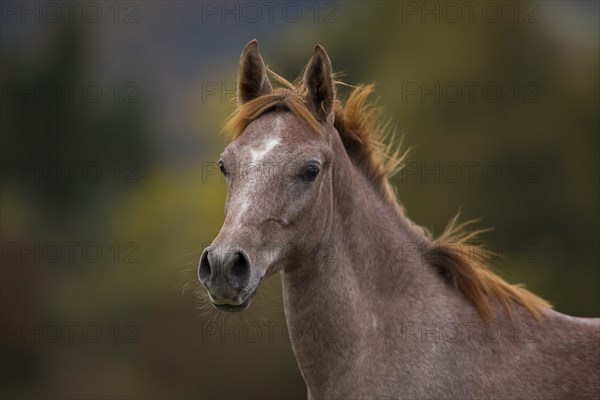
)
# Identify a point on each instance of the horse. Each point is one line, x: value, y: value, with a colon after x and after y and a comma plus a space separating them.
x: 376, y: 307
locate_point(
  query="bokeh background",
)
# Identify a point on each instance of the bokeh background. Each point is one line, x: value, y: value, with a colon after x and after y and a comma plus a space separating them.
x: 110, y: 128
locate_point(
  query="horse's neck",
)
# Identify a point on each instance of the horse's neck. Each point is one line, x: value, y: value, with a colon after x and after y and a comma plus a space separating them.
x: 348, y: 303
x: 337, y: 295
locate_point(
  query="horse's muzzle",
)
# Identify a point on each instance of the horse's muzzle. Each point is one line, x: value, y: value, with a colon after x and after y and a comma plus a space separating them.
x: 226, y: 272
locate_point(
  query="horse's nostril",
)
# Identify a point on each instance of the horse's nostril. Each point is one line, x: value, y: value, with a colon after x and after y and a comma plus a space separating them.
x: 204, y: 271
x: 223, y: 271
x: 240, y: 271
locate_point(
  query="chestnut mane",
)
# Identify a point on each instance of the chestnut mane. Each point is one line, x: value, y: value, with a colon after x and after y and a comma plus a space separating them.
x: 454, y: 252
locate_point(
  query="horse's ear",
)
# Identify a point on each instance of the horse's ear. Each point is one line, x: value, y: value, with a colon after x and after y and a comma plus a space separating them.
x: 252, y: 74
x: 318, y: 82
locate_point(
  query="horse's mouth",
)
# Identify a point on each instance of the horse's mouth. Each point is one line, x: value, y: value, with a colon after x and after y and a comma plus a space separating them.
x: 233, y: 307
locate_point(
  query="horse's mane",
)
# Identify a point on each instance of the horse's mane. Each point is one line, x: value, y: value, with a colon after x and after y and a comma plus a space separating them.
x: 364, y: 137
x: 458, y: 255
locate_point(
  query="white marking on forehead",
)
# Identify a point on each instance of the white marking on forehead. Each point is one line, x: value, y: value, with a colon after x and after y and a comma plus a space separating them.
x: 269, y: 144
x: 258, y: 155
x: 244, y: 196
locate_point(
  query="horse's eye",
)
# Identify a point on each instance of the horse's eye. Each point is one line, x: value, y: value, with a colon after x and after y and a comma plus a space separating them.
x: 310, y: 172
x: 222, y: 167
